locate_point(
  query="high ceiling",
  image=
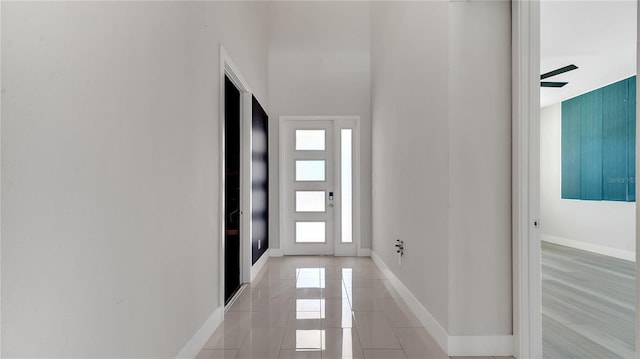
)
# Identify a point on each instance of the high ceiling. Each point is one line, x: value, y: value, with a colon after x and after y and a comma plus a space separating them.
x: 597, y: 36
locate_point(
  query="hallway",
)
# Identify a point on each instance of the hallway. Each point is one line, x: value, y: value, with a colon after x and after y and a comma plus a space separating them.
x: 320, y: 307
x: 115, y: 231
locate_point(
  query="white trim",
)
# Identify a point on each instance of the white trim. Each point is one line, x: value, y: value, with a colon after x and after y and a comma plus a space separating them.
x: 1, y: 296
x: 234, y: 297
x: 527, y: 314
x: 221, y: 196
x: 494, y: 345
x: 590, y: 247
x: 199, y: 339
x: 501, y: 345
x: 256, y: 268
x: 357, y: 194
x: 637, y: 186
x: 275, y: 252
x: 246, y: 192
x: 428, y: 321
x: 228, y: 68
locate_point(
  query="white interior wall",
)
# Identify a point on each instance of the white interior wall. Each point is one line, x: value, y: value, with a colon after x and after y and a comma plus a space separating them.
x: 410, y: 112
x: 110, y: 171
x: 319, y: 64
x: 480, y: 168
x: 607, y: 227
x: 442, y: 161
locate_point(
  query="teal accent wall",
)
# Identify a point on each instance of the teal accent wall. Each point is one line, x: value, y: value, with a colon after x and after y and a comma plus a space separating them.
x: 591, y: 146
x: 598, y: 144
x: 632, y: 139
x: 571, y: 149
x: 615, y: 150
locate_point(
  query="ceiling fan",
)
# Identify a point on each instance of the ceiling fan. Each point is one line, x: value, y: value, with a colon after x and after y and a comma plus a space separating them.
x: 554, y: 73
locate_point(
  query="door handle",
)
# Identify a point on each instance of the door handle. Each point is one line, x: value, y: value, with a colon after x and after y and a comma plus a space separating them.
x: 330, y: 205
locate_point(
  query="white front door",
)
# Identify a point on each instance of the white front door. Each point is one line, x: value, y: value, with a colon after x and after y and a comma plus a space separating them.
x: 317, y: 197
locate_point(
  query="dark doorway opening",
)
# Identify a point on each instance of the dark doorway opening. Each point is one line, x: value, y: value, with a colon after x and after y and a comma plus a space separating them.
x: 231, y: 190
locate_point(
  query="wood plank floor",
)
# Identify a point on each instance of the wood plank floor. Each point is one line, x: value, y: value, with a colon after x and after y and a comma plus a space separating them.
x: 588, y: 305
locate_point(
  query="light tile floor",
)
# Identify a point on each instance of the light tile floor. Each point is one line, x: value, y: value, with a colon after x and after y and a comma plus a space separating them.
x: 320, y: 308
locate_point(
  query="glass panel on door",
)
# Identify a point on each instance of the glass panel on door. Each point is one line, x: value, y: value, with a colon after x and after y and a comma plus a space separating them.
x: 310, y: 201
x: 346, y: 185
x: 310, y: 170
x: 310, y: 140
x: 311, y: 232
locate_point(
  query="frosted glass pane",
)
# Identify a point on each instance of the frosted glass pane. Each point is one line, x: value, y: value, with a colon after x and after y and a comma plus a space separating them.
x: 310, y: 201
x: 310, y: 232
x: 310, y: 170
x: 310, y: 140
x: 346, y: 184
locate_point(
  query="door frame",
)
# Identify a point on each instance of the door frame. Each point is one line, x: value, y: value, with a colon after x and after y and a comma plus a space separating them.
x: 337, y: 121
x: 527, y: 286
x: 228, y: 68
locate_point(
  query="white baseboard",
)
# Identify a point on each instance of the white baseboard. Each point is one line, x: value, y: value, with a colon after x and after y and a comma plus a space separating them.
x: 589, y: 247
x: 494, y: 345
x: 194, y: 346
x: 275, y: 252
x: 499, y: 345
x: 364, y: 252
x: 428, y: 321
x: 256, y: 268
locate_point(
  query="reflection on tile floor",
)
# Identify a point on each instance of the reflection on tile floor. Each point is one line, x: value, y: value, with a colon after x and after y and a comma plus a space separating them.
x: 320, y: 307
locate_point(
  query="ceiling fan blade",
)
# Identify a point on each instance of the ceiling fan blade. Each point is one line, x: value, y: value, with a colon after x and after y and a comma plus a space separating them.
x: 558, y: 71
x: 552, y: 84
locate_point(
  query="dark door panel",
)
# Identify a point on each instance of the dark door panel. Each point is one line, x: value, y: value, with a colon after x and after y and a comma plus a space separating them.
x: 232, y: 190
x: 259, y: 181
